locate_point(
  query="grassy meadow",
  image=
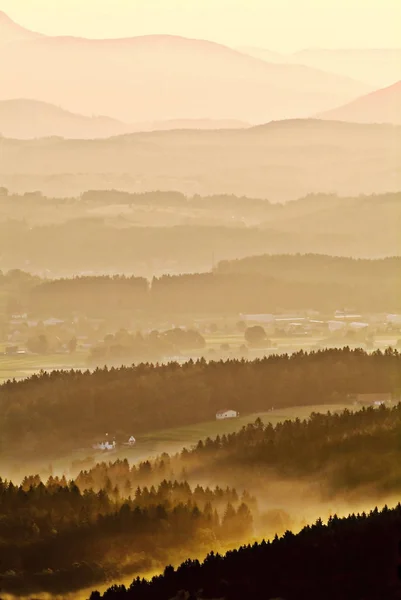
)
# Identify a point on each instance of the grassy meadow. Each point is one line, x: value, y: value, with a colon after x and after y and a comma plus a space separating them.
x: 154, y: 443
x: 218, y: 345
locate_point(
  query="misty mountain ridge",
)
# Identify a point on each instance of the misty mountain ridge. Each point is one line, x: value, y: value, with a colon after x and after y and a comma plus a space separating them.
x: 22, y: 118
x: 12, y: 32
x: 382, y: 106
x: 279, y: 161
x: 163, y: 77
x: 376, y: 67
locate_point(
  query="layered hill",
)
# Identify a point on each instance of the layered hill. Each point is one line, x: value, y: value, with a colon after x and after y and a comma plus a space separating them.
x: 378, y: 67
x: 12, y: 32
x: 382, y: 106
x: 26, y: 119
x: 353, y: 557
x: 162, y: 77
x: 208, y: 124
x: 278, y: 161
x: 375, y: 67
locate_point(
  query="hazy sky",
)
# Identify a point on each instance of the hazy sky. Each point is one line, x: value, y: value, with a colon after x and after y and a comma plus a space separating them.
x: 284, y: 25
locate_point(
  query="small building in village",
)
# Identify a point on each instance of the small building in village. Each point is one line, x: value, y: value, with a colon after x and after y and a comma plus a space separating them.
x: 107, y: 445
x: 373, y: 399
x: 226, y: 413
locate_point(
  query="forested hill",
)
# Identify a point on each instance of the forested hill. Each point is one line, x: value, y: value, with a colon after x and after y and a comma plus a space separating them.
x: 66, y: 410
x: 120, y: 519
x: 55, y: 538
x: 280, y: 160
x: 351, y: 558
x: 256, y: 284
x: 167, y: 232
x: 351, y: 454
x: 315, y: 267
x: 344, y: 452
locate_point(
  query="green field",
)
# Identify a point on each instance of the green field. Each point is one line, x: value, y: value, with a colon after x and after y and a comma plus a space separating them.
x: 20, y: 366
x: 173, y: 440
x: 154, y: 443
x: 293, y: 342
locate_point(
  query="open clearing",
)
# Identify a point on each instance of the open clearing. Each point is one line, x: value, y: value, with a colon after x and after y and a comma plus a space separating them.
x: 173, y: 440
x: 154, y: 443
x: 20, y: 366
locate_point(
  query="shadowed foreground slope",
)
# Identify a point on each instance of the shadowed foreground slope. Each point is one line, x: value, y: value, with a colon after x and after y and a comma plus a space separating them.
x: 351, y: 558
x: 67, y: 410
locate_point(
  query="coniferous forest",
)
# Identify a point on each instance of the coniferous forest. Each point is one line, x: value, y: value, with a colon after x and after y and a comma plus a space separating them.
x: 354, y: 557
x: 118, y: 519
x: 66, y: 410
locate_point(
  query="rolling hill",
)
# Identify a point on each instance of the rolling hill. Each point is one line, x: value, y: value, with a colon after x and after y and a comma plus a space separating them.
x: 25, y: 119
x: 162, y: 77
x: 375, y: 67
x: 12, y: 32
x: 278, y: 161
x: 208, y: 124
x: 383, y: 106
x: 351, y: 557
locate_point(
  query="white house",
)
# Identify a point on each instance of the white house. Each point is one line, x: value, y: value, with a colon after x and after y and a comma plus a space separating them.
x: 105, y: 445
x: 375, y: 399
x: 131, y: 441
x: 226, y: 413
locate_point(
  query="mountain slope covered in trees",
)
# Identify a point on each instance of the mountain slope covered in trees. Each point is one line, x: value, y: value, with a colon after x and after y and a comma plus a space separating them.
x: 256, y: 284
x: 349, y: 558
x: 68, y: 410
x: 116, y: 519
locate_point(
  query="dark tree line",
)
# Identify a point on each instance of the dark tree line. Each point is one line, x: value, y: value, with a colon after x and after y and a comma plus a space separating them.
x: 69, y: 409
x: 114, y: 519
x: 53, y: 537
x: 341, y: 452
x: 315, y: 267
x: 321, y: 223
x: 256, y: 284
x: 350, y: 558
x: 156, y: 346
x: 320, y: 283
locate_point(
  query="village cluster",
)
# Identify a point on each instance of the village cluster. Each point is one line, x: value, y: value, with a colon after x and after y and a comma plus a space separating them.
x: 23, y: 335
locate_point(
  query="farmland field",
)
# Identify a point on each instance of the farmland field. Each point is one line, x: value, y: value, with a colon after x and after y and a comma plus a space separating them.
x: 20, y: 366
x: 218, y: 345
x: 154, y: 443
x: 173, y: 440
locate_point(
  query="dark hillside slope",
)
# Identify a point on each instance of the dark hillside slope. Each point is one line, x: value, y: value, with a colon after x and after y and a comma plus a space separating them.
x: 67, y: 410
x: 355, y: 558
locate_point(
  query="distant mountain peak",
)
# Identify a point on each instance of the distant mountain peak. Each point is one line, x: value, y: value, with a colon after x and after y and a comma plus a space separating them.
x: 11, y: 31
x: 380, y: 106
x: 162, y: 78
x: 5, y: 18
